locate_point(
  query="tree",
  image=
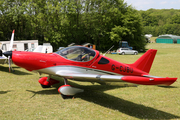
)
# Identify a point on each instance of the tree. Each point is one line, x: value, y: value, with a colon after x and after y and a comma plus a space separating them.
x: 61, y: 22
x: 158, y: 22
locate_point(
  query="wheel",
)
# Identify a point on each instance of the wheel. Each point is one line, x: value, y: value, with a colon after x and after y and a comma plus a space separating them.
x: 135, y: 53
x: 45, y: 86
x: 122, y: 53
x: 67, y: 96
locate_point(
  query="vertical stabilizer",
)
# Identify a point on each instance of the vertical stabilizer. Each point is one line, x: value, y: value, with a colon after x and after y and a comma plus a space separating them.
x: 144, y: 63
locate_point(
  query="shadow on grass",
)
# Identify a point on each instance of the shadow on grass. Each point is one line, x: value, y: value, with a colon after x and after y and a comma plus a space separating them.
x: 15, y: 70
x: 168, y: 86
x: 96, y: 95
x: 132, y: 109
x: 44, y: 92
x: 4, y: 92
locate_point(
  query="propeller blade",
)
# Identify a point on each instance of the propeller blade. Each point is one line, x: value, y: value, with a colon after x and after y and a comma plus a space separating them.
x: 9, y: 60
x: 11, y: 42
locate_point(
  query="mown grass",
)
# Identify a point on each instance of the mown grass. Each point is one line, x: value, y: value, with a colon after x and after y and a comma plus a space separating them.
x: 23, y: 98
x: 153, y: 39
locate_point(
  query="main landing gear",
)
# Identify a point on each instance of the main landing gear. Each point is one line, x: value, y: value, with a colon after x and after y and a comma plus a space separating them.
x: 66, y: 91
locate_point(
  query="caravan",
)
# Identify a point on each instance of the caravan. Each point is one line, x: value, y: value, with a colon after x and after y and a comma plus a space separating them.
x: 45, y: 48
x: 22, y: 45
x: 16, y: 46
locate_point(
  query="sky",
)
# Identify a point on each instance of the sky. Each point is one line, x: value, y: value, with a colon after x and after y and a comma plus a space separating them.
x: 155, y: 4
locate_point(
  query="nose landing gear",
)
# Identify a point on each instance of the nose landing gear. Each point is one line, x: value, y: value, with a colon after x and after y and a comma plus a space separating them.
x: 46, y: 82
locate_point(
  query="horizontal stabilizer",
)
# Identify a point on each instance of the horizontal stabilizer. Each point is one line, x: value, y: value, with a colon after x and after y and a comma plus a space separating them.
x: 149, y: 81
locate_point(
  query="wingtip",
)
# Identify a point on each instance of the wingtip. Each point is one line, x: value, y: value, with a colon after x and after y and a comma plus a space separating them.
x: 13, y: 31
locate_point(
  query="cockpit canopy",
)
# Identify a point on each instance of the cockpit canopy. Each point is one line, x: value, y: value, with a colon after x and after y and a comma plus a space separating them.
x: 77, y: 53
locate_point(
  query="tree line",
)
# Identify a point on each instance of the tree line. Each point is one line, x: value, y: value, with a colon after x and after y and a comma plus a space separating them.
x: 61, y: 22
x: 161, y: 21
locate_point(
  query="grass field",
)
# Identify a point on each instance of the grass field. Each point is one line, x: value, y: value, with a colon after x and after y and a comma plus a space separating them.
x: 23, y: 98
x: 153, y: 39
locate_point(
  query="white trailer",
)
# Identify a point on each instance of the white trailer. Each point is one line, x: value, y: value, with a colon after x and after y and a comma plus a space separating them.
x: 21, y: 45
x: 45, y: 48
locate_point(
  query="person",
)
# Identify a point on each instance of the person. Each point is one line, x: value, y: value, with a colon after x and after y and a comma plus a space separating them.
x: 46, y: 50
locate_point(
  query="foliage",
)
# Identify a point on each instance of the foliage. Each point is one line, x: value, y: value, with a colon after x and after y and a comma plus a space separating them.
x: 158, y: 22
x: 61, y: 22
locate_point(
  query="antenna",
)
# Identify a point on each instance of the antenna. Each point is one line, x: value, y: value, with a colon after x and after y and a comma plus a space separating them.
x: 108, y: 50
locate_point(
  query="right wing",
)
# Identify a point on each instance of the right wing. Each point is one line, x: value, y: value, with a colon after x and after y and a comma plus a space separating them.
x: 90, y: 77
x: 116, y: 78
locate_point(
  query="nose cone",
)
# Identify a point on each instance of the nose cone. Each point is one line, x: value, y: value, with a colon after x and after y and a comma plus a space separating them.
x: 8, y: 53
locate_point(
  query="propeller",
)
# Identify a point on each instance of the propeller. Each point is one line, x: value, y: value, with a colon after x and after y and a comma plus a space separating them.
x: 11, y: 42
x: 8, y: 53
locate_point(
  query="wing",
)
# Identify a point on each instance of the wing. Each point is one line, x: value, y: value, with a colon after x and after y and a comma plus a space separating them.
x: 89, y: 77
x: 117, y: 78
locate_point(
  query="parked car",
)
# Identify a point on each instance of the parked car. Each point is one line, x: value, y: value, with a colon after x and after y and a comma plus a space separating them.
x: 123, y: 51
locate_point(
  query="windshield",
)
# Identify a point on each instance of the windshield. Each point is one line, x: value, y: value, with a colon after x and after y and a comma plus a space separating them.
x: 77, y: 53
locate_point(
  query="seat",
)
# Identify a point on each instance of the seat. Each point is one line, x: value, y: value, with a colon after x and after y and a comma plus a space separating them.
x: 79, y: 58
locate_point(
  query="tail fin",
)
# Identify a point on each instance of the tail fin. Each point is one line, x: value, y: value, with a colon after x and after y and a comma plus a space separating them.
x: 144, y: 63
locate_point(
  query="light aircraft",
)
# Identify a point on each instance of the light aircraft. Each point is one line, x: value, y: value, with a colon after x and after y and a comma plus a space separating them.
x: 4, y: 59
x: 81, y: 63
x: 45, y: 48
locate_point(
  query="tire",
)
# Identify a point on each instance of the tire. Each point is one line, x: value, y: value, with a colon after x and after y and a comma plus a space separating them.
x: 45, y: 86
x: 135, y: 53
x: 66, y: 96
x: 122, y: 53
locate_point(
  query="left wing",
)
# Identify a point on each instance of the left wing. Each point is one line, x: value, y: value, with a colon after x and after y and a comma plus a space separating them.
x: 117, y: 78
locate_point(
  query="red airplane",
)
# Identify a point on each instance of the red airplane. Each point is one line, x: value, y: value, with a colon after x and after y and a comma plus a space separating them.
x: 85, y: 64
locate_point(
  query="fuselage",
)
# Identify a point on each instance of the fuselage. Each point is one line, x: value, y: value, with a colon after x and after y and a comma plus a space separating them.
x: 51, y: 63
